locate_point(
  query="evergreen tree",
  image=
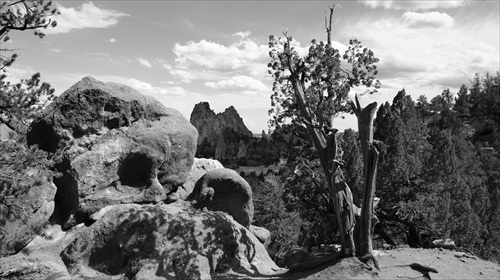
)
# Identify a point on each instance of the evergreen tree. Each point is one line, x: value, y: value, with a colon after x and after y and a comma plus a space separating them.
x: 402, y: 163
x: 20, y: 102
x: 310, y: 91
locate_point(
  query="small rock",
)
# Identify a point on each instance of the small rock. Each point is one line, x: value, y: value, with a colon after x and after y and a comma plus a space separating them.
x: 446, y: 243
x: 295, y: 256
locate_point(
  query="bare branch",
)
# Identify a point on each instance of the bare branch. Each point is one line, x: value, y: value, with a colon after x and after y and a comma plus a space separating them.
x: 329, y: 27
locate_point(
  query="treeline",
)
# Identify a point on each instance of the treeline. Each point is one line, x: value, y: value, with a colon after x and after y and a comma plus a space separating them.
x: 438, y: 176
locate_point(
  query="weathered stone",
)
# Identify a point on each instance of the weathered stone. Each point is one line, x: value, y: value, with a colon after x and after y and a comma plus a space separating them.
x: 199, y: 168
x: 23, y: 213
x: 117, y: 145
x: 224, y: 190
x: 264, y: 235
x: 165, y: 241
x: 446, y: 243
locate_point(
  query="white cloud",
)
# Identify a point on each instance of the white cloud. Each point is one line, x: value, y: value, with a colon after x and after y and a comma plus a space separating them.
x: 210, y: 60
x: 210, y: 55
x: 112, y: 40
x: 239, y: 83
x: 88, y: 15
x: 168, y: 82
x: 164, y: 63
x: 413, y: 5
x: 426, y: 60
x: 144, y: 87
x: 144, y: 62
x: 213, y: 61
x: 431, y: 19
x: 242, y: 35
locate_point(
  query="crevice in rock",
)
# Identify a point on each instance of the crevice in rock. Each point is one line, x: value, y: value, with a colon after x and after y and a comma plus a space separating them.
x: 66, y: 199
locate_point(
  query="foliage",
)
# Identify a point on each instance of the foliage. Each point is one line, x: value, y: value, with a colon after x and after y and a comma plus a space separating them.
x: 322, y: 75
x: 352, y: 162
x: 15, y: 160
x: 306, y: 192
x: 22, y: 169
x: 438, y: 173
x: 272, y: 214
x: 311, y: 91
x: 20, y: 102
x: 404, y: 152
x: 24, y: 15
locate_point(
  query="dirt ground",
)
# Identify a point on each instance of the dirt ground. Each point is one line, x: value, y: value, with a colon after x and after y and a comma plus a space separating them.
x: 395, y: 264
x: 449, y: 264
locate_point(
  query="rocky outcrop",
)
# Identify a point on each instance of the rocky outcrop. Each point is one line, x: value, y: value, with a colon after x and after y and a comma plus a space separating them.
x: 165, y: 242
x: 262, y: 234
x: 116, y: 145
x: 199, y: 168
x: 24, y: 210
x: 224, y: 190
x: 220, y: 134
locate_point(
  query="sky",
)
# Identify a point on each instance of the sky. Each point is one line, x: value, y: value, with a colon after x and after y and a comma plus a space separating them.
x: 186, y: 52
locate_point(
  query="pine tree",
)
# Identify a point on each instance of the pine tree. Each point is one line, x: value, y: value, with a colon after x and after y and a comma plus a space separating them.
x: 20, y: 102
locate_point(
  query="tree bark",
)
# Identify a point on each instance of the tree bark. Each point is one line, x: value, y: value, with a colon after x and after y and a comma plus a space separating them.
x: 370, y: 153
x: 326, y: 148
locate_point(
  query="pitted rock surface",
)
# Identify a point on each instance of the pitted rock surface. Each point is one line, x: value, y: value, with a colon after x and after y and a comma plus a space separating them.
x: 117, y: 146
x: 165, y: 242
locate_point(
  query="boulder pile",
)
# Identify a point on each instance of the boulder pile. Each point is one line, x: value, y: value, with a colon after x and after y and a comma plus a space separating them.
x: 130, y: 202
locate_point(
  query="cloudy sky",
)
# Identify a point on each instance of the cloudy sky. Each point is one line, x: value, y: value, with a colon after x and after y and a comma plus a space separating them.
x: 186, y: 52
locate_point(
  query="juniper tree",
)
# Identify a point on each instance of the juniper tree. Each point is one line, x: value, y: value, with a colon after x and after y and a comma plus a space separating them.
x: 311, y: 91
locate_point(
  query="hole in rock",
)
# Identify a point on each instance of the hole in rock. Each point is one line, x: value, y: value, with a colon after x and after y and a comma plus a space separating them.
x: 113, y: 123
x: 111, y: 108
x: 135, y: 170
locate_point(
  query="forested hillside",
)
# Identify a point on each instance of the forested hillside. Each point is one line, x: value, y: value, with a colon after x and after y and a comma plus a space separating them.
x: 438, y: 176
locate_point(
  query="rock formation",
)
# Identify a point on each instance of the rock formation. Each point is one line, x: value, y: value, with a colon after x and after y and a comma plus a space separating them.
x: 224, y: 190
x: 220, y: 134
x: 149, y: 242
x: 117, y: 146
x: 122, y: 156
x: 199, y: 168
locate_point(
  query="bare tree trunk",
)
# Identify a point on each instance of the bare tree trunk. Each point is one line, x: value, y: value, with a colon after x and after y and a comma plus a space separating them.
x: 370, y: 158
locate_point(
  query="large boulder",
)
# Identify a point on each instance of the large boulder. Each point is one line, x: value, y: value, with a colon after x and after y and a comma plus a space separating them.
x: 262, y: 234
x: 224, y: 190
x: 25, y: 208
x: 116, y: 145
x: 199, y: 168
x: 165, y: 242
